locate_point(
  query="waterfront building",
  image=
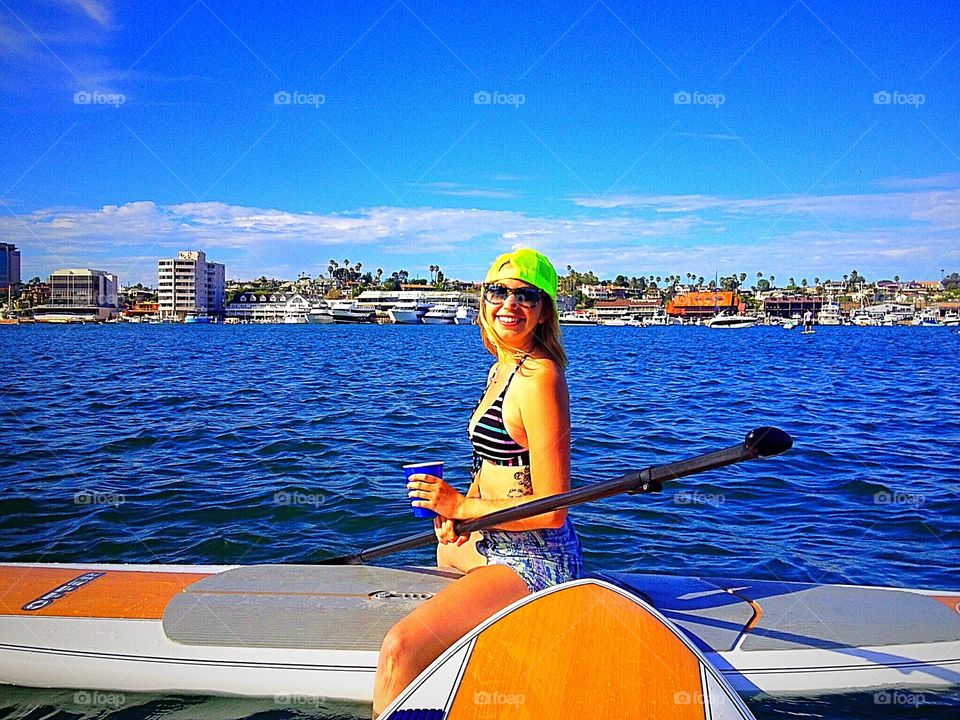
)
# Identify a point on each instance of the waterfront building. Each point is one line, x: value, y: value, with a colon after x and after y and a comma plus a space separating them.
x: 80, y: 295
x: 788, y: 306
x: 702, y: 305
x: 189, y: 285
x: 9, y: 266
x: 626, y: 309
x: 268, y: 308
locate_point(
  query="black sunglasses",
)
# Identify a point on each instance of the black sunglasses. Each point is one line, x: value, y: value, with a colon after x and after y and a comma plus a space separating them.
x: 527, y: 297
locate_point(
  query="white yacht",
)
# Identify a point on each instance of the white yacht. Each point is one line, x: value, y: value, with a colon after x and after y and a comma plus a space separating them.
x: 571, y: 317
x: 295, y: 319
x: 320, y: 315
x: 951, y: 318
x: 928, y: 318
x: 409, y: 312
x: 659, y: 318
x: 441, y: 314
x: 466, y: 315
x: 731, y: 322
x: 347, y: 311
x: 829, y: 314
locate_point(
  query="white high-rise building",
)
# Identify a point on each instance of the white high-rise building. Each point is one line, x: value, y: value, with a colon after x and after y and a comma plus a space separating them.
x: 189, y: 285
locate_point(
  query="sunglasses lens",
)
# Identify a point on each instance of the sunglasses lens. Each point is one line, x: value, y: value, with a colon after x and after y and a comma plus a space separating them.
x: 528, y: 297
x: 496, y: 294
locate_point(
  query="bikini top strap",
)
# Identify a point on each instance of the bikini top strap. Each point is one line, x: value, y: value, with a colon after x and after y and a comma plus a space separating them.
x: 510, y: 379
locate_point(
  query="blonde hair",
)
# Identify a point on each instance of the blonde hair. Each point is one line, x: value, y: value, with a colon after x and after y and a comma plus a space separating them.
x: 547, y: 337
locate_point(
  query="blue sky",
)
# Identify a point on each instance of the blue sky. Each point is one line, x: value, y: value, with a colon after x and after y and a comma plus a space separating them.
x: 799, y: 139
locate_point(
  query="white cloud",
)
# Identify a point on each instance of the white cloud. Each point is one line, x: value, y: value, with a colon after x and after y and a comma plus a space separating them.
x: 886, y: 233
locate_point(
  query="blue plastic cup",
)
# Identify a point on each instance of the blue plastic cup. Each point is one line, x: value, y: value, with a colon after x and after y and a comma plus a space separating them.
x: 426, y: 468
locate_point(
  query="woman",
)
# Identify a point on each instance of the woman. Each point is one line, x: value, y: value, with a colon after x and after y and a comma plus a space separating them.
x: 520, y: 431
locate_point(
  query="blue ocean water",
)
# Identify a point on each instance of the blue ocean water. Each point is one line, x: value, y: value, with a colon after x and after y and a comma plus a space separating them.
x: 184, y: 444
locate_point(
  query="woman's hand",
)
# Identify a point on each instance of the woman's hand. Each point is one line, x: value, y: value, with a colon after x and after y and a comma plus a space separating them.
x: 443, y: 527
x: 431, y: 492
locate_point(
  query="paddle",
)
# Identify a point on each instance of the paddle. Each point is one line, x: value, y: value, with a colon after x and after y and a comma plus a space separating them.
x: 760, y: 443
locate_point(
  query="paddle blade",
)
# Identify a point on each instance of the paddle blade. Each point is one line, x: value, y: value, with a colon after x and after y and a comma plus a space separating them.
x: 768, y: 441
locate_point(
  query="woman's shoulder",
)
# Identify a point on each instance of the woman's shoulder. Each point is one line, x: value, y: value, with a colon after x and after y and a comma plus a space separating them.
x: 543, y: 371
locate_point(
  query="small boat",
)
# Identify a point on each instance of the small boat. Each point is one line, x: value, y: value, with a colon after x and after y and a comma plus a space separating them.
x: 951, y: 319
x: 409, y: 312
x: 466, y: 315
x: 347, y: 311
x: 316, y: 630
x: 441, y: 314
x: 571, y: 317
x: 790, y: 324
x: 731, y: 321
x: 295, y: 319
x: 196, y: 319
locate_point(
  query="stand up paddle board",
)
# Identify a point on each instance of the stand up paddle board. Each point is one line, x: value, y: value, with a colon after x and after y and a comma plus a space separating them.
x: 581, y: 649
x: 265, y: 630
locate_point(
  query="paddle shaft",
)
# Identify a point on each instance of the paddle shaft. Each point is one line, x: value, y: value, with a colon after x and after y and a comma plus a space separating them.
x: 762, y: 442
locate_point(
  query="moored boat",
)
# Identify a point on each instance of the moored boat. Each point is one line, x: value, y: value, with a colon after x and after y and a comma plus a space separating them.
x: 409, y: 312
x: 441, y: 314
x: 347, y: 311
x: 466, y: 315
x: 320, y: 315
x: 571, y: 317
x: 731, y: 321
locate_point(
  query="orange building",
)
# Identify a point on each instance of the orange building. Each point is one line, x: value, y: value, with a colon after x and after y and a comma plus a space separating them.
x: 704, y: 304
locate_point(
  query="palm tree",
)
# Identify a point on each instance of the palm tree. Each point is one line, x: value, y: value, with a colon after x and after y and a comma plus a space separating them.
x: 772, y: 278
x: 379, y: 275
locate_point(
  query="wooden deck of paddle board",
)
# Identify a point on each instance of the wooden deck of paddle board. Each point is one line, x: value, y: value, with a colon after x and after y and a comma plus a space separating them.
x: 66, y: 592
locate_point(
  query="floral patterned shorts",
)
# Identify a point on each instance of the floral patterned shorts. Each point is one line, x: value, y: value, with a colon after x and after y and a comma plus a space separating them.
x: 543, y: 557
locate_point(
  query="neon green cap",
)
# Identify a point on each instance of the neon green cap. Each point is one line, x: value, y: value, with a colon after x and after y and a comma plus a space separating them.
x: 527, y: 265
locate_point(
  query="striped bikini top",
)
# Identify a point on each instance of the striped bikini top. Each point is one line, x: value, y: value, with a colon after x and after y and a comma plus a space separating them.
x: 490, y: 438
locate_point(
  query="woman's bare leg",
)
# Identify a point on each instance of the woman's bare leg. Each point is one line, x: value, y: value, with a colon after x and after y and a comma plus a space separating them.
x: 420, y: 638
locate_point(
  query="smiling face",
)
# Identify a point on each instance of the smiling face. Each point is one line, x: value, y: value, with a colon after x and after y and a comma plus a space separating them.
x: 514, y: 323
